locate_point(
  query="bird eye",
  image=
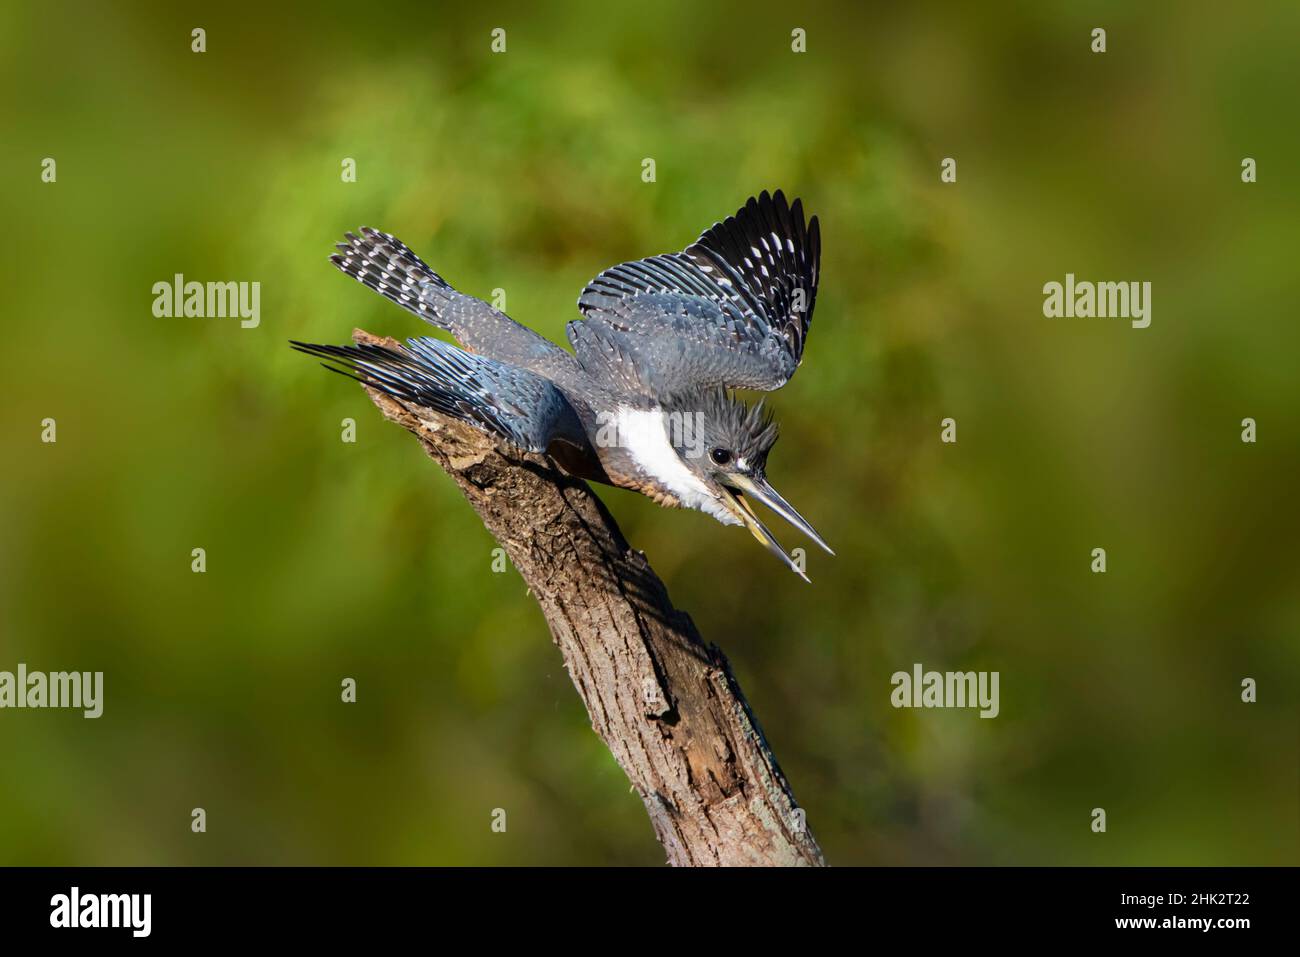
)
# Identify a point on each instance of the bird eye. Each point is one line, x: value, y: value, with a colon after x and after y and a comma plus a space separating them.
x: 720, y: 456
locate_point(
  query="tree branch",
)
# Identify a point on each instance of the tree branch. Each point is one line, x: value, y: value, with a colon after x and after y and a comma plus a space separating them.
x: 665, y: 703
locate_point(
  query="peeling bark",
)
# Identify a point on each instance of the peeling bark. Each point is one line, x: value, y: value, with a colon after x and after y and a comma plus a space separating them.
x: 664, y: 702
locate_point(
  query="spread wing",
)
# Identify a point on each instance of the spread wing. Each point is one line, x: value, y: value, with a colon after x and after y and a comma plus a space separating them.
x: 521, y: 406
x: 732, y: 309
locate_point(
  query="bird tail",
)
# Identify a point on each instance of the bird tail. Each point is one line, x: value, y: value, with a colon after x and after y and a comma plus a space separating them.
x: 515, y: 404
x: 386, y: 264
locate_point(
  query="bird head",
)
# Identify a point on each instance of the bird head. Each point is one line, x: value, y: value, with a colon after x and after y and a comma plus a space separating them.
x: 724, y: 443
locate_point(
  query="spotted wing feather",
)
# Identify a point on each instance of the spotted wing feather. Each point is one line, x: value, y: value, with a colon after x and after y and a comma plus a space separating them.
x: 732, y: 309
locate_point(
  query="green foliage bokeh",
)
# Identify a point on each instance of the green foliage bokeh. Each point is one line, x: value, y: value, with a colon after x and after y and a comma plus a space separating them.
x: 522, y: 171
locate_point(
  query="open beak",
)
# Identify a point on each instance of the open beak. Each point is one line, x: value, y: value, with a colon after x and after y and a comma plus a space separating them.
x: 740, y: 488
x: 757, y: 488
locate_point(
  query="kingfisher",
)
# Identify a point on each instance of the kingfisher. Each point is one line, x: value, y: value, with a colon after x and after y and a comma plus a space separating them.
x: 646, y: 400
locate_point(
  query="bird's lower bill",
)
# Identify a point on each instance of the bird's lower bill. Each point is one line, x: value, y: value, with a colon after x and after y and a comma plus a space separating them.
x: 738, y: 489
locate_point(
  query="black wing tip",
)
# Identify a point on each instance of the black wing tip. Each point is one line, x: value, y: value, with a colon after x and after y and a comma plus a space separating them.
x: 310, y: 348
x: 766, y: 212
x: 774, y: 199
x: 346, y: 361
x: 327, y: 354
x: 776, y: 203
x: 361, y: 350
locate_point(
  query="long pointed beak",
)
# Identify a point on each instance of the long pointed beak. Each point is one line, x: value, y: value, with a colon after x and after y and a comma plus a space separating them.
x: 760, y: 490
x: 741, y: 508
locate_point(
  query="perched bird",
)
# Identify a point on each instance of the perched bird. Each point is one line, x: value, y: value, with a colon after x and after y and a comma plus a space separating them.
x: 642, y: 402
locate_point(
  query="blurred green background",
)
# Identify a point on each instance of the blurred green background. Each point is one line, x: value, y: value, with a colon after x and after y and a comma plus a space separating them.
x: 523, y: 171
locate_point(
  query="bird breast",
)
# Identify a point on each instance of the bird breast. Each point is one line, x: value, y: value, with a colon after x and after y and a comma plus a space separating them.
x: 643, y: 436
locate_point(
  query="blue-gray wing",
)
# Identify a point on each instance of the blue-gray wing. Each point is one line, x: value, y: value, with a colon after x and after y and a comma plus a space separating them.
x: 524, y: 408
x: 732, y: 309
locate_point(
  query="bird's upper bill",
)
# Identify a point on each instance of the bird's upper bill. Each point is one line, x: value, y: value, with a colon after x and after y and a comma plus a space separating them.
x: 738, y: 488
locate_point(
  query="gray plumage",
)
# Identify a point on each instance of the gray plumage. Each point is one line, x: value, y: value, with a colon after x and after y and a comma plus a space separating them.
x: 524, y: 408
x: 661, y: 342
x: 732, y: 309
x: 385, y: 264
